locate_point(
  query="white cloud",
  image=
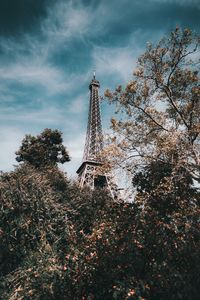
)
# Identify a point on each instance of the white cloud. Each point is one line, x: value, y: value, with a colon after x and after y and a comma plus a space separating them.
x: 117, y: 61
x: 49, y: 115
x: 10, y: 141
x: 28, y: 73
x: 79, y: 104
x: 75, y: 146
x: 30, y: 56
x: 65, y: 20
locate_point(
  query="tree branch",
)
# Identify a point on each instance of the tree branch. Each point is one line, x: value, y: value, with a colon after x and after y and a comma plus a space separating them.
x: 168, y: 93
x: 150, y: 117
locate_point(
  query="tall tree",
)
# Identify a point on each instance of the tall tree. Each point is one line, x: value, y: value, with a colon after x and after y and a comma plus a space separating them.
x: 46, y: 149
x: 162, y: 107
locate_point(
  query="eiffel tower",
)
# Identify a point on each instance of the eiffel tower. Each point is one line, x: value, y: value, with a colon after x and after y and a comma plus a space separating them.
x: 89, y: 172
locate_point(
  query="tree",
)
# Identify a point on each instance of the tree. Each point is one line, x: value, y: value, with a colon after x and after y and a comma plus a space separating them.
x: 158, y: 142
x: 162, y: 107
x: 46, y: 149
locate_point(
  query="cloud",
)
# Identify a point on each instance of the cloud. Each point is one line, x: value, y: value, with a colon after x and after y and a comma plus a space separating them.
x: 29, y: 73
x: 65, y: 20
x: 79, y: 104
x: 28, y: 59
x: 75, y: 145
x: 49, y: 115
x: 180, y: 2
x: 10, y: 141
x: 117, y: 61
x: 45, y: 70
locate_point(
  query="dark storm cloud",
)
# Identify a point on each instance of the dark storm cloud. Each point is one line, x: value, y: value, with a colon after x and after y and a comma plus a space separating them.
x: 112, y: 18
x: 117, y: 20
x: 49, y: 48
x: 18, y: 16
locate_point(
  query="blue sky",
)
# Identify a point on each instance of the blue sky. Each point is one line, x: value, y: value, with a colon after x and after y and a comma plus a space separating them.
x: 49, y: 49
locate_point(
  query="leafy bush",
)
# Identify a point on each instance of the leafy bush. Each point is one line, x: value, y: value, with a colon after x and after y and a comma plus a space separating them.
x: 136, y: 253
x: 34, y: 230
x: 61, y: 242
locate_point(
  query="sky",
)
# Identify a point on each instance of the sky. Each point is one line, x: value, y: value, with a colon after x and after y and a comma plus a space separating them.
x: 49, y: 49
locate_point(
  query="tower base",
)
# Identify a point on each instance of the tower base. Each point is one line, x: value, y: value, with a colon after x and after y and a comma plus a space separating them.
x: 90, y: 175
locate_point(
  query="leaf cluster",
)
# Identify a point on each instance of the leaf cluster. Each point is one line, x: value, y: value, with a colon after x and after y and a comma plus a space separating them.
x: 68, y: 243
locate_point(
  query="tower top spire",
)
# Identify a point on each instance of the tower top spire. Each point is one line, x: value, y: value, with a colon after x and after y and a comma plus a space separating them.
x: 94, y: 83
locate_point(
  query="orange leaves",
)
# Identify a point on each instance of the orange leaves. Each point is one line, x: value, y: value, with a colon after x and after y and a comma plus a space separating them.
x: 114, y: 123
x: 196, y: 91
x: 131, y: 292
x: 108, y: 94
x: 91, y: 256
x: 138, y: 244
x: 132, y: 87
x: 145, y: 90
x: 138, y: 72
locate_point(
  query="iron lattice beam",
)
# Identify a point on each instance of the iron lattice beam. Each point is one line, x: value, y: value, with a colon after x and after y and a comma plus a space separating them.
x: 94, y: 136
x: 89, y: 171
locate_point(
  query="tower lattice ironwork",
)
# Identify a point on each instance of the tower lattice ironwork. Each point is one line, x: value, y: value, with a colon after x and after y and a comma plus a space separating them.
x: 89, y: 172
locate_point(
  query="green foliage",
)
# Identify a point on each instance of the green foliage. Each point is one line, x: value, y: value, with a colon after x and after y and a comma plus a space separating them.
x: 67, y: 243
x: 39, y: 277
x: 137, y: 253
x: 46, y: 149
x: 34, y: 228
x: 60, y: 242
x: 151, y: 176
x: 88, y: 207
